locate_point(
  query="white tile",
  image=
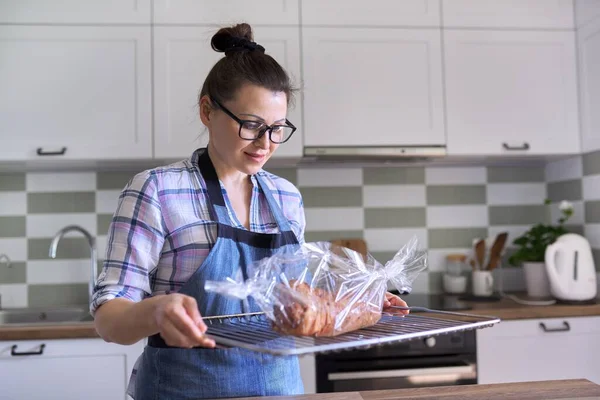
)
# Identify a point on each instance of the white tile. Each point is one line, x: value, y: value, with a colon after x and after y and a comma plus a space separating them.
x: 576, y: 219
x: 514, y: 231
x: 334, y: 218
x: 564, y: 170
x: 58, y: 271
x: 13, y: 295
x: 13, y: 203
x: 101, y: 247
x: 591, y: 187
x: 329, y: 177
x: 107, y: 201
x: 515, y: 193
x: 47, y: 225
x: 592, y: 233
x: 455, y: 175
x: 457, y: 216
x: 14, y: 248
x: 421, y: 284
x: 392, y: 239
x: 61, y: 181
x: 394, y: 196
x: 437, y: 258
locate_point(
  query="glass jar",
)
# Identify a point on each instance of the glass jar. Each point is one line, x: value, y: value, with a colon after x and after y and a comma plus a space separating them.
x: 455, y: 264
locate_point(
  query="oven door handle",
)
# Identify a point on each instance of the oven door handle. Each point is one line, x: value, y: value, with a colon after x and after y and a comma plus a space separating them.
x: 401, y: 373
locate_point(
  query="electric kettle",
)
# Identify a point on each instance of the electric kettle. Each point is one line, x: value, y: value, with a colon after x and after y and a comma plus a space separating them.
x: 570, y: 268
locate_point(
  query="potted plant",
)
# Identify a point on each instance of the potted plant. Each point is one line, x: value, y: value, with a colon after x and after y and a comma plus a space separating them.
x: 531, y: 249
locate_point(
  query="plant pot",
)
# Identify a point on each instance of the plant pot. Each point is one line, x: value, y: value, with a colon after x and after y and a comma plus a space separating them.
x: 536, y: 279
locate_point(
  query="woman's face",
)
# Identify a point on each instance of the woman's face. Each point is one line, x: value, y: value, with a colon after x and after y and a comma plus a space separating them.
x: 251, y: 103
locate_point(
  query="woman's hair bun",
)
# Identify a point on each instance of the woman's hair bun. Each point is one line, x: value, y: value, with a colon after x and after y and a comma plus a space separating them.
x: 235, y: 38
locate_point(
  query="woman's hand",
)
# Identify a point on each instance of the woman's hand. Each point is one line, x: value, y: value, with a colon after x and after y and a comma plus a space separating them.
x: 393, y: 300
x: 179, y: 322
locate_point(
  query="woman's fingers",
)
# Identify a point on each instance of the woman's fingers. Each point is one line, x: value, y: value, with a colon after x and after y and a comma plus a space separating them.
x: 172, y: 335
x: 393, y: 300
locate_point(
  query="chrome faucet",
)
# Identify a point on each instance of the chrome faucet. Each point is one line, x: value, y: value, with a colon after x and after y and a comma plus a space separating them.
x: 93, y: 256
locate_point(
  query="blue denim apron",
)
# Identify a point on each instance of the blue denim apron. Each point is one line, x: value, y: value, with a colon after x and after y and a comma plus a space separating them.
x: 165, y: 372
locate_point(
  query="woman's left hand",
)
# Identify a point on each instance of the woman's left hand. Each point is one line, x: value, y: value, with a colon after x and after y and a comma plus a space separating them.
x: 393, y: 300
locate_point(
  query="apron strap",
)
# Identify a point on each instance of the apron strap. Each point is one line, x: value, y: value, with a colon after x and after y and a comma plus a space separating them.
x: 282, y: 221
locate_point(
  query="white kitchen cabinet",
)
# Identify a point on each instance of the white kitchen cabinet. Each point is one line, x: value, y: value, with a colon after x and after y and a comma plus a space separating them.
x: 66, y: 369
x: 373, y: 13
x: 588, y: 41
x: 586, y: 11
x: 75, y: 12
x: 264, y: 12
x: 75, y: 92
x: 539, y: 349
x: 372, y: 87
x: 182, y: 59
x: 511, y: 92
x: 544, y: 14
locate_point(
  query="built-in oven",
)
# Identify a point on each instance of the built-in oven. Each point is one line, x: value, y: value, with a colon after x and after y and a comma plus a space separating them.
x: 449, y: 359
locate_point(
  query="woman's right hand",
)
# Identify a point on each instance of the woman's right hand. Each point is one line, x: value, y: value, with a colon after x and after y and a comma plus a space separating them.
x: 179, y: 322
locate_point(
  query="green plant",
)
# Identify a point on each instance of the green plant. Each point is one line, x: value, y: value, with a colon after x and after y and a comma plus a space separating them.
x: 532, y: 244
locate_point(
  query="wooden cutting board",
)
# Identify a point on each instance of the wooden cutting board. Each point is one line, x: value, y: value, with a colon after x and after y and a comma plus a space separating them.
x: 358, y: 245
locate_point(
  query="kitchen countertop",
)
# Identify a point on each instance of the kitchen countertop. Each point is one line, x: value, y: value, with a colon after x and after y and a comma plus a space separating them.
x: 504, y: 309
x: 559, y: 390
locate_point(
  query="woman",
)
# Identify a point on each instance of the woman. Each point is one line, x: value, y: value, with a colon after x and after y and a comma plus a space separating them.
x: 205, y: 218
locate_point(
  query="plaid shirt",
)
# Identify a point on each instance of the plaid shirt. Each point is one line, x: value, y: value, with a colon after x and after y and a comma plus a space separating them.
x: 162, y: 230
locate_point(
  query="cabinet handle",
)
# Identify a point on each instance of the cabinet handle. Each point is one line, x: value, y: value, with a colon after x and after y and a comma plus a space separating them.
x: 524, y: 146
x: 564, y: 328
x: 61, y: 152
x: 14, y: 352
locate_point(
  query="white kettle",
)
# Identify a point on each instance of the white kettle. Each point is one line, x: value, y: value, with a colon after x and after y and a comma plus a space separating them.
x: 570, y: 268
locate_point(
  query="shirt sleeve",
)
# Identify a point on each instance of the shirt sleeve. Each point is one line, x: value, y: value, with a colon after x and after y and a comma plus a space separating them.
x: 134, y: 243
x: 301, y: 221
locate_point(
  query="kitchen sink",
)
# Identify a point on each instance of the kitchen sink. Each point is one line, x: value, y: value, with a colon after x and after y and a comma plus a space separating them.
x: 27, y: 316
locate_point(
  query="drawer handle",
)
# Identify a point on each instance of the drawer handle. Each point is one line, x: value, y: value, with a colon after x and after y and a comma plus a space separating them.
x: 61, y: 152
x: 564, y: 328
x: 15, y: 353
x: 524, y: 146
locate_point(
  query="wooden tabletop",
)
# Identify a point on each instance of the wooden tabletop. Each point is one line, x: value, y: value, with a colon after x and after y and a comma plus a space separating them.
x: 75, y: 330
x: 557, y: 390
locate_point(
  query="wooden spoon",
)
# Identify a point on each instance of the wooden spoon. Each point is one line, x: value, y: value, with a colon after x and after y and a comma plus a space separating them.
x: 480, y: 253
x: 496, y: 251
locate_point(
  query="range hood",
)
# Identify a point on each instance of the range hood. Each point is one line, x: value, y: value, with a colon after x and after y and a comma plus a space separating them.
x: 387, y: 154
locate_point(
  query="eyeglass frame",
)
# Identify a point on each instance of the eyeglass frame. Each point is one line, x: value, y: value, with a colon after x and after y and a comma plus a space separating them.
x: 262, y: 131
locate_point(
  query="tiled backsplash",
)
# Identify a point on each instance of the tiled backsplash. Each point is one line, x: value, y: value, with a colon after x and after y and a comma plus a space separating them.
x: 445, y: 207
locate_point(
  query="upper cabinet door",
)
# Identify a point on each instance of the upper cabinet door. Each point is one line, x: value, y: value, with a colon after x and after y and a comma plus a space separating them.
x: 588, y: 38
x: 508, y: 13
x: 372, y: 87
x: 81, y: 92
x: 586, y: 11
x: 75, y: 11
x: 182, y: 59
x: 373, y: 13
x: 511, y: 92
x: 263, y: 12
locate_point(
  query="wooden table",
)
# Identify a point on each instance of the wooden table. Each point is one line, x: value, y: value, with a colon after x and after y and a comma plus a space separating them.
x: 580, y: 389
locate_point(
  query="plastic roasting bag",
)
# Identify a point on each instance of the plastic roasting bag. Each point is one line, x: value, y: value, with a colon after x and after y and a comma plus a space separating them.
x: 322, y: 289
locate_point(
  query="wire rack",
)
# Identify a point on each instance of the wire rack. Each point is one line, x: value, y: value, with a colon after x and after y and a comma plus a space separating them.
x: 253, y: 331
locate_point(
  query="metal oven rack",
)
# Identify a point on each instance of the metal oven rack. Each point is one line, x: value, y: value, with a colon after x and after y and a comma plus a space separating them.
x: 253, y: 331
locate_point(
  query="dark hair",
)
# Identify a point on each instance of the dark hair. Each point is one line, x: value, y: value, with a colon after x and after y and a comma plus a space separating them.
x: 245, y: 62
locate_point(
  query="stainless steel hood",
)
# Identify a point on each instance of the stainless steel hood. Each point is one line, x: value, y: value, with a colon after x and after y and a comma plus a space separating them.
x: 372, y: 153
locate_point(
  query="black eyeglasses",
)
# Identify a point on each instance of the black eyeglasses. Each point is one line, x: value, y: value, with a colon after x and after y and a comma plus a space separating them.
x: 253, y: 130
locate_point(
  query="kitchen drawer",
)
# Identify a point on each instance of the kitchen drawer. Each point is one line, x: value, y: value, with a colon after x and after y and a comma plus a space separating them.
x: 543, y: 326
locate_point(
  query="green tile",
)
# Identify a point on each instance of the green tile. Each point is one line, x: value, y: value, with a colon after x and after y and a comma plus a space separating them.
x: 578, y: 229
x: 327, y: 236
x: 442, y: 195
x: 408, y: 217
x: 67, y: 202
x: 565, y: 190
x: 291, y: 174
x: 515, y: 174
x: 591, y: 163
x: 592, y: 212
x: 436, y: 282
x: 13, y: 226
x: 596, y: 255
x: 517, y: 215
x: 383, y: 256
x: 508, y: 252
x: 103, y: 223
x: 12, y: 182
x: 454, y: 238
x: 394, y: 176
x: 58, y: 295
x: 332, y: 197
x: 16, y: 273
x: 68, y: 248
x: 113, y: 180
